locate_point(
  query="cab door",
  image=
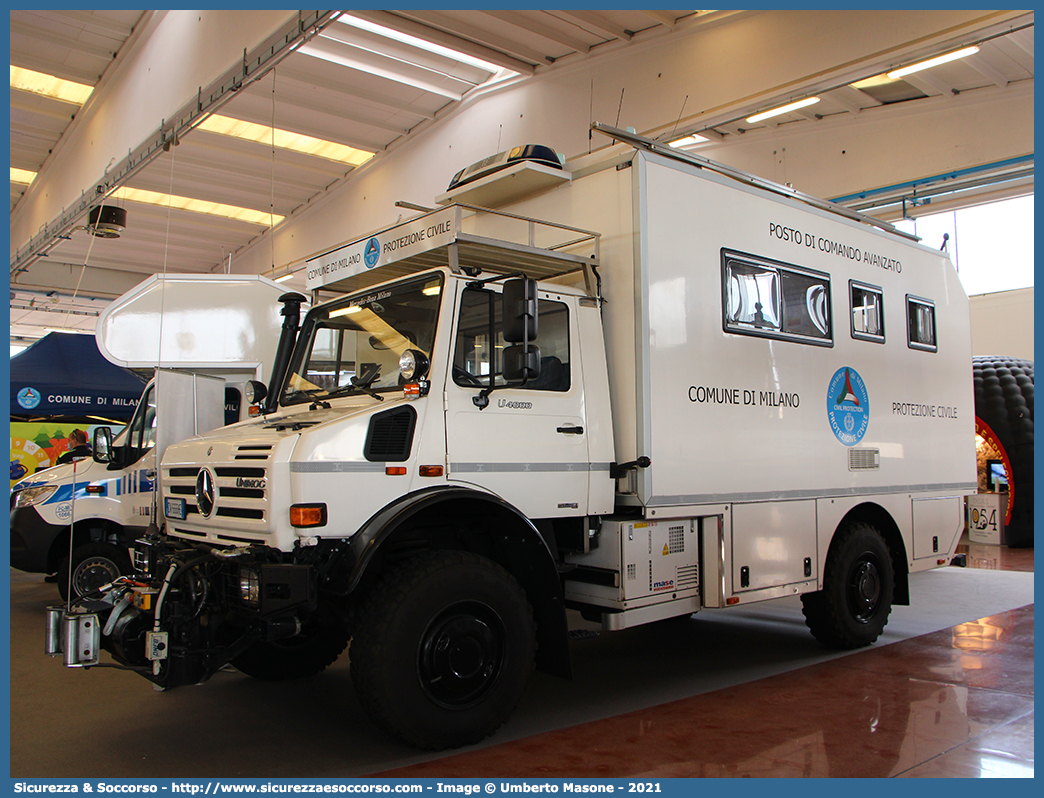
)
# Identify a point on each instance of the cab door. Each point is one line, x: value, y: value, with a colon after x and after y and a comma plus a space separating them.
x: 529, y: 444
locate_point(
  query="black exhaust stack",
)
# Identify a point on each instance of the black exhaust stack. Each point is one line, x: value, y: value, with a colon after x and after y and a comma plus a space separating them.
x: 288, y: 335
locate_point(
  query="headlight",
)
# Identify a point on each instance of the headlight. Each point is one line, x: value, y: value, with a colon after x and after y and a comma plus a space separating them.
x: 413, y: 364
x: 249, y: 586
x: 30, y: 496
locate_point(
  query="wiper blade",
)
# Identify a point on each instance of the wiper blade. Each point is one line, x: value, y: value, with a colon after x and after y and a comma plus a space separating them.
x: 313, y: 394
x: 365, y: 383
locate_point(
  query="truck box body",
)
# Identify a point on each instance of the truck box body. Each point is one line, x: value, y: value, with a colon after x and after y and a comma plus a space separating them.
x: 739, y: 424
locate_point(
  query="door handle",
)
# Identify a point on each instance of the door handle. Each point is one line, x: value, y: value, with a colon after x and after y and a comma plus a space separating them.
x: 571, y: 430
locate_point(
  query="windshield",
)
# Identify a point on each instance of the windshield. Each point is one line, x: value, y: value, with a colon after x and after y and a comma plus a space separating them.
x: 353, y: 346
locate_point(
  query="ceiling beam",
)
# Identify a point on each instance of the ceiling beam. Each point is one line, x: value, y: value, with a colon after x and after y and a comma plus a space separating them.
x: 484, y: 37
x: 988, y: 71
x: 594, y: 22
x: 528, y: 21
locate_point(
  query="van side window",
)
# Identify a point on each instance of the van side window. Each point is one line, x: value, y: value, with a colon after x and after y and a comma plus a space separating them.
x: 474, y: 357
x: 777, y: 300
x: 920, y: 323
x: 867, y: 312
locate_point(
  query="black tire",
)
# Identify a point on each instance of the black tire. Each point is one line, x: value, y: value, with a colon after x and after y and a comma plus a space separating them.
x: 93, y: 565
x: 319, y: 644
x: 443, y: 649
x: 858, y: 584
x: 1004, y: 401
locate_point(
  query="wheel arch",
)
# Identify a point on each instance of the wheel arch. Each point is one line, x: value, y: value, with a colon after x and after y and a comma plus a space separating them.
x: 448, y: 517
x: 879, y: 518
x: 88, y: 530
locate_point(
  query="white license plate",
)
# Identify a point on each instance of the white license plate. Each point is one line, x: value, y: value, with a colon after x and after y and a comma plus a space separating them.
x: 174, y: 508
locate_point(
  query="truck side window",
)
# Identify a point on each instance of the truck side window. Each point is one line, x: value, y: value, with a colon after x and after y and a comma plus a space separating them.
x: 474, y: 357
x: 776, y: 300
x: 142, y: 432
x: 920, y: 323
x: 867, y: 312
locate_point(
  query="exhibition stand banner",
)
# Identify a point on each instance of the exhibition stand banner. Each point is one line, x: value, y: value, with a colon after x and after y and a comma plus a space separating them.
x: 36, y: 445
x: 64, y: 374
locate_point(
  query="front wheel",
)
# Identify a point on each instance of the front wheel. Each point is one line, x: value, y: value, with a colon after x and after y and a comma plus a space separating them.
x: 312, y: 651
x: 443, y: 649
x: 858, y: 583
x: 93, y: 565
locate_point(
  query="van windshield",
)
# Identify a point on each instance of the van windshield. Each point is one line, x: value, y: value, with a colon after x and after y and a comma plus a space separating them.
x: 353, y: 345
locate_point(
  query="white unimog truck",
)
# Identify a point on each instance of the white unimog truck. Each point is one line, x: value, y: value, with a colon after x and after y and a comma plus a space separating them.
x: 204, y: 336
x: 687, y: 388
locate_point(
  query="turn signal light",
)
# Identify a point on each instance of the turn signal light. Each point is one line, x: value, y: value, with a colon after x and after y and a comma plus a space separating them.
x: 431, y: 471
x: 255, y: 410
x: 732, y: 600
x: 395, y: 471
x: 304, y: 515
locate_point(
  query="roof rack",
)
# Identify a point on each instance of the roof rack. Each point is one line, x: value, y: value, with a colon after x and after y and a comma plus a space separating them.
x: 539, y: 249
x: 667, y: 151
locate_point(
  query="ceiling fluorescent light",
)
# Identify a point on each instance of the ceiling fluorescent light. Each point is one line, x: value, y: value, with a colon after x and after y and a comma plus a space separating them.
x: 284, y: 139
x: 197, y: 206
x: 283, y: 278
x: 49, y: 86
x: 688, y: 141
x: 22, y: 176
x: 422, y: 44
x: 783, y: 109
x: 931, y: 62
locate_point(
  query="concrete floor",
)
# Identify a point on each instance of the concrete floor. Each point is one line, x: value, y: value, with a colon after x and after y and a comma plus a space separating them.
x: 953, y: 673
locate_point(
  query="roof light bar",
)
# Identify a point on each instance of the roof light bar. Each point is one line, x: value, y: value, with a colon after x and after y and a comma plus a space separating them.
x: 197, y: 206
x: 284, y: 139
x: 932, y: 62
x: 422, y: 44
x: 49, y: 86
x: 783, y: 109
x: 22, y: 176
x: 688, y: 141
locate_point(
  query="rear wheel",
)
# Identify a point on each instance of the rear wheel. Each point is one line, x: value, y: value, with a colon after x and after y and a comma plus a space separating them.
x: 858, y: 583
x: 443, y: 649
x: 93, y: 566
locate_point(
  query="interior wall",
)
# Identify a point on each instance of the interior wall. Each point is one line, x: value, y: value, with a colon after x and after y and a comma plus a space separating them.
x: 649, y: 85
x: 161, y: 71
x: 1002, y: 324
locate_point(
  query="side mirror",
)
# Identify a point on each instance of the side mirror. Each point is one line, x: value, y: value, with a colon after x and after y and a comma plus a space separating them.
x: 254, y: 392
x: 520, y: 310
x: 521, y: 363
x: 102, y: 445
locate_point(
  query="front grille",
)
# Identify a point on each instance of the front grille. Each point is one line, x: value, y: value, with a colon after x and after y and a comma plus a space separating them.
x: 239, y: 471
x: 240, y: 496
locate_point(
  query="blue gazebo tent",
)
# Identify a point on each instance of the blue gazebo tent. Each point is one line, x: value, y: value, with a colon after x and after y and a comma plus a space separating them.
x: 64, y: 374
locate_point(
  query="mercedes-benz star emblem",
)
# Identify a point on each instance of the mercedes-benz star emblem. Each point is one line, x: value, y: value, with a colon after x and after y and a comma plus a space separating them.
x: 205, y: 492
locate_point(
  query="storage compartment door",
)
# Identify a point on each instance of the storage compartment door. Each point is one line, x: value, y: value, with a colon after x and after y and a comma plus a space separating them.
x: 773, y: 544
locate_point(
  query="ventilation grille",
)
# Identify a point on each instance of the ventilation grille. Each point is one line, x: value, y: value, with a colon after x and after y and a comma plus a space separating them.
x: 676, y: 539
x: 390, y: 436
x: 688, y: 576
x: 632, y: 571
x: 864, y: 459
